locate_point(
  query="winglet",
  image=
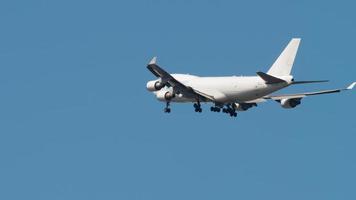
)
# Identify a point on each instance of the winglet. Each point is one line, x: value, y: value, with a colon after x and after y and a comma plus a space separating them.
x: 351, y: 86
x: 153, y: 61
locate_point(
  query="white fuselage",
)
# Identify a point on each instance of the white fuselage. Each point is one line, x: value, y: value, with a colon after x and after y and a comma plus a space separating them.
x: 230, y: 89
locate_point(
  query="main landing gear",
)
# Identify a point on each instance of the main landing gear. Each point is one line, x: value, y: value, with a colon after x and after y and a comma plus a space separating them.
x: 215, y: 109
x: 197, y: 107
x: 167, y: 109
x: 230, y: 111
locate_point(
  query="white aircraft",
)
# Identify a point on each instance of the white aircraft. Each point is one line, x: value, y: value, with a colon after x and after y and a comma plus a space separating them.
x: 233, y: 93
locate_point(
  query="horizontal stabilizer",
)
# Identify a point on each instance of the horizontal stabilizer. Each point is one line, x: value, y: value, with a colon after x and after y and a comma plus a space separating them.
x: 304, y: 82
x: 270, y: 79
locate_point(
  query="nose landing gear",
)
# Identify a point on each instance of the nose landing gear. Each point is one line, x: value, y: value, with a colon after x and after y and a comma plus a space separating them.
x: 167, y: 109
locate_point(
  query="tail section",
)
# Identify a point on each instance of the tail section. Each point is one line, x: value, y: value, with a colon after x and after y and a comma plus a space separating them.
x: 270, y: 79
x: 284, y: 63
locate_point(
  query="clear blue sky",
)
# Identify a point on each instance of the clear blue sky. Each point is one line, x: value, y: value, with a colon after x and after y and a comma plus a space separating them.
x: 76, y: 121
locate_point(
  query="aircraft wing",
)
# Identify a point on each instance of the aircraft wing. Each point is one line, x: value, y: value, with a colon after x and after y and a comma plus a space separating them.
x: 301, y: 95
x: 260, y: 100
x: 178, y: 87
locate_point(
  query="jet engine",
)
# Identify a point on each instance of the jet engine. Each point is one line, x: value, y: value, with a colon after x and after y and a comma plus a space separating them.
x: 165, y: 95
x: 154, y: 85
x: 290, y: 103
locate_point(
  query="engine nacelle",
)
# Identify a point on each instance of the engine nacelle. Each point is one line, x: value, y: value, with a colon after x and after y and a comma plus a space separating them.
x: 154, y: 85
x: 290, y: 103
x: 165, y: 95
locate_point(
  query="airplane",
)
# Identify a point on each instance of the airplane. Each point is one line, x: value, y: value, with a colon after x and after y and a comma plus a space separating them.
x: 233, y: 93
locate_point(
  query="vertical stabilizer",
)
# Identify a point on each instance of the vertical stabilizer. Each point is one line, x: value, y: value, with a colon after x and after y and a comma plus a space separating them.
x: 284, y: 63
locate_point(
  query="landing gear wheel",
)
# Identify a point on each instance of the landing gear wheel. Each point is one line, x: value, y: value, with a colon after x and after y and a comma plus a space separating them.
x: 232, y: 113
x: 215, y: 109
x: 197, y: 107
x: 167, y: 109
